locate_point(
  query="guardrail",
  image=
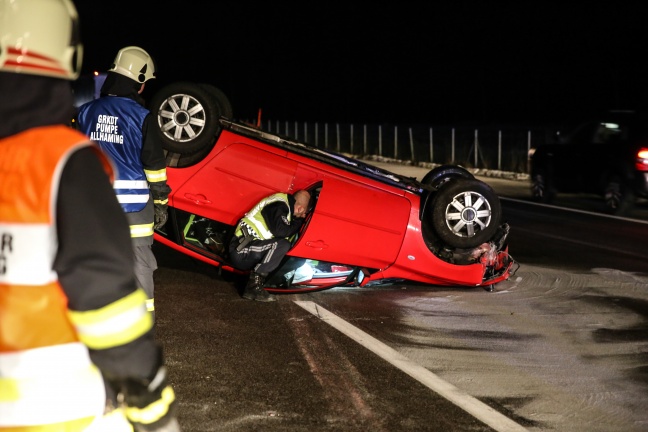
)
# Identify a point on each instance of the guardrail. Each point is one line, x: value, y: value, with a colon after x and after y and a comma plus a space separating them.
x: 503, y: 148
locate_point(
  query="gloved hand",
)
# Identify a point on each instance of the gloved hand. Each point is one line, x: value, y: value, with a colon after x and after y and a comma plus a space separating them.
x: 151, y: 407
x: 161, y: 215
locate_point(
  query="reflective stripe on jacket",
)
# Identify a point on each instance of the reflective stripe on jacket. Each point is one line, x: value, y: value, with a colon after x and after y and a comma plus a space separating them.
x: 254, y: 221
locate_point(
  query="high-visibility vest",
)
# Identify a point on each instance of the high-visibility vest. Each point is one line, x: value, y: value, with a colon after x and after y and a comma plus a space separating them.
x: 254, y: 221
x: 47, y: 380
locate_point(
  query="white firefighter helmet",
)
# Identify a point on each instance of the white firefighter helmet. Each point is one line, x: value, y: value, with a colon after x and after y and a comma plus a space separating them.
x: 134, y: 63
x: 40, y: 37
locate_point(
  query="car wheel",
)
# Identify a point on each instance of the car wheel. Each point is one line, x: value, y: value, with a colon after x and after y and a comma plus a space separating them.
x: 541, y: 189
x: 187, y: 117
x: 619, y: 199
x: 466, y: 213
x: 441, y: 174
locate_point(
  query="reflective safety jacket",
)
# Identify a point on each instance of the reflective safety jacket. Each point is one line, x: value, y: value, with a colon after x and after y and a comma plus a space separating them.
x: 47, y: 380
x: 254, y: 221
x: 116, y: 123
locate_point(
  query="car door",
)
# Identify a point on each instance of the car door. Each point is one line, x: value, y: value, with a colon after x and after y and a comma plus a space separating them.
x: 234, y: 179
x: 353, y: 222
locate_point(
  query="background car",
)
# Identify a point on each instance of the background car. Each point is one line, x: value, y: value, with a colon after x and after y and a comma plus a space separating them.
x: 607, y: 156
x: 366, y: 225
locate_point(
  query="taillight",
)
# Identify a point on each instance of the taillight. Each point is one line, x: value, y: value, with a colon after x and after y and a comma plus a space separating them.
x: 641, y: 163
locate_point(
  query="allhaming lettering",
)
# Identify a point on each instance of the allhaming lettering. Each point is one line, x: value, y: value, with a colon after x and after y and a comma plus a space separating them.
x: 106, y: 130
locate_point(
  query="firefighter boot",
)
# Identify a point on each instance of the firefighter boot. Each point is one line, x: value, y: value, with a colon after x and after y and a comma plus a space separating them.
x: 254, y: 289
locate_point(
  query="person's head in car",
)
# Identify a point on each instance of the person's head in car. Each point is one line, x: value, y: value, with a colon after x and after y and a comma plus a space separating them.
x: 302, y: 203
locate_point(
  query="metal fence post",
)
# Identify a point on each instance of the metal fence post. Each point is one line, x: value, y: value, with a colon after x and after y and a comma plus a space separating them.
x: 453, y: 146
x: 337, y: 136
x: 326, y: 135
x: 431, y: 145
x: 395, y: 142
x: 499, y: 150
x: 476, y: 146
x: 411, y: 139
x: 364, y: 139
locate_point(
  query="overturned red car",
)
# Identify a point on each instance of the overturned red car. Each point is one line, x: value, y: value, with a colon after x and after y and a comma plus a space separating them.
x: 366, y: 225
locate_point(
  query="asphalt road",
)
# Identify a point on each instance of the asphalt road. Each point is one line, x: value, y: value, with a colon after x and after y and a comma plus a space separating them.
x: 561, y: 346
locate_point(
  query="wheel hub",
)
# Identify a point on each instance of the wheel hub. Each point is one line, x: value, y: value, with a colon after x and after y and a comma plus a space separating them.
x: 468, y: 214
x: 181, y: 118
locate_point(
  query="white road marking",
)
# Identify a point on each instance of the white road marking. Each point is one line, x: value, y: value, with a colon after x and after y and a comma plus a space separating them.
x: 466, y: 402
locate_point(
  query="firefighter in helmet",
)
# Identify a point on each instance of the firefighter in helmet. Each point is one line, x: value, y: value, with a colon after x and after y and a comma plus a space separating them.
x: 119, y: 122
x: 75, y: 328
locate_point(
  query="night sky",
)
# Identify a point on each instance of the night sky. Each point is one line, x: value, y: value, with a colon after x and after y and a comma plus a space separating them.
x: 465, y: 61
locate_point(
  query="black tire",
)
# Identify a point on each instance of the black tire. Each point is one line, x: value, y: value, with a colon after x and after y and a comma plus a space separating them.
x: 187, y: 117
x: 177, y: 160
x: 223, y: 103
x: 466, y: 213
x: 618, y: 196
x: 438, y: 176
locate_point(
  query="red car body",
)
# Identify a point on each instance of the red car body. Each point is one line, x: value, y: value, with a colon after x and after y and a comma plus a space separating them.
x: 365, y: 220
